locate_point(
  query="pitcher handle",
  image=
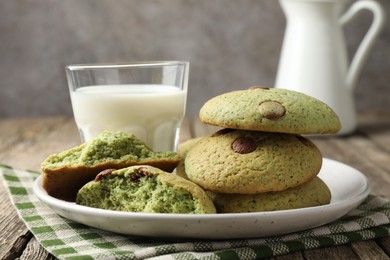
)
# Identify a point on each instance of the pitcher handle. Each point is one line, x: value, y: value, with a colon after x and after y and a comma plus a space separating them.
x: 368, y: 40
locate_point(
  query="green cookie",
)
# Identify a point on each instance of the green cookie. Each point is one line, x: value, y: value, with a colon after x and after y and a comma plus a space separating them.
x: 249, y: 162
x: 270, y: 110
x: 310, y: 194
x: 144, y: 189
x: 182, y: 150
x: 65, y: 173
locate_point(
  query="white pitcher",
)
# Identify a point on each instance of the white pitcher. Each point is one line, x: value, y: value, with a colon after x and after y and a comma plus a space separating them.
x: 314, y: 54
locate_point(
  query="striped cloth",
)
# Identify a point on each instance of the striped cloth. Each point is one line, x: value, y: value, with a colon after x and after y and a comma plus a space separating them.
x: 66, y: 239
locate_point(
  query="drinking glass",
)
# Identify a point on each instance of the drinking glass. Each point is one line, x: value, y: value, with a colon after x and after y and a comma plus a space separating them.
x: 147, y: 99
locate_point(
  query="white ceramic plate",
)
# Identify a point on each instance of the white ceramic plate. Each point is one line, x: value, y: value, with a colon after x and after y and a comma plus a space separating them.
x: 348, y: 186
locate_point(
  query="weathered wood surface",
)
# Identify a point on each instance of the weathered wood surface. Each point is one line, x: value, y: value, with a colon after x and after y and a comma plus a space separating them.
x: 25, y: 142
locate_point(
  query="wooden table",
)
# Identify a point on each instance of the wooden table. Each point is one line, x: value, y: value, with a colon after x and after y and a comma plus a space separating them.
x: 25, y: 142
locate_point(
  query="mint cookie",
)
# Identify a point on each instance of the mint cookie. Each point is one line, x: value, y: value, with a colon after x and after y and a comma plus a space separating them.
x: 66, y: 172
x: 249, y: 162
x: 182, y: 150
x: 310, y: 194
x: 144, y: 189
x: 270, y: 110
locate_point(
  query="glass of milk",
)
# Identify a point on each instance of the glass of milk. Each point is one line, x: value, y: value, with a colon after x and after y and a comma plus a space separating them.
x: 147, y: 99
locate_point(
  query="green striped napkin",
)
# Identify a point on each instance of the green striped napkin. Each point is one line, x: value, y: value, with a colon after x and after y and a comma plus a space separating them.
x: 67, y: 239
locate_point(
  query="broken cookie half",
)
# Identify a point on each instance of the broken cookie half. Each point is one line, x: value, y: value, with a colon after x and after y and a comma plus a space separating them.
x: 144, y: 189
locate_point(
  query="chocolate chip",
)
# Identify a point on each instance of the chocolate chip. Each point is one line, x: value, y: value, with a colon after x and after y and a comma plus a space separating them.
x: 303, y: 140
x: 104, y: 174
x: 222, y: 132
x: 244, y: 145
x: 259, y: 87
x: 139, y: 173
x: 272, y: 110
x: 135, y: 177
x: 143, y: 171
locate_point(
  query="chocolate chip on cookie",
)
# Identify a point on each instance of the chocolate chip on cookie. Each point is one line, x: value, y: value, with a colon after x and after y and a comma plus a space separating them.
x: 303, y: 140
x: 259, y: 87
x: 222, y: 132
x: 103, y: 174
x: 244, y: 145
x: 272, y: 110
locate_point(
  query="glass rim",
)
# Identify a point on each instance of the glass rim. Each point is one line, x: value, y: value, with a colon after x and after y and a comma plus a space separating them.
x: 118, y: 65
x: 322, y: 1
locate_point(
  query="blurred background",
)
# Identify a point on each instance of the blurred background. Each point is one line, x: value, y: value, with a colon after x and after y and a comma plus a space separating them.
x: 230, y: 45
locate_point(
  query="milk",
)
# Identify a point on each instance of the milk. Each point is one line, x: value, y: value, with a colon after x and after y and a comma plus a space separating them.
x: 152, y: 112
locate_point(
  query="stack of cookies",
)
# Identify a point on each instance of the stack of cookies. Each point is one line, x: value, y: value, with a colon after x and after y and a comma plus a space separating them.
x: 259, y: 160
